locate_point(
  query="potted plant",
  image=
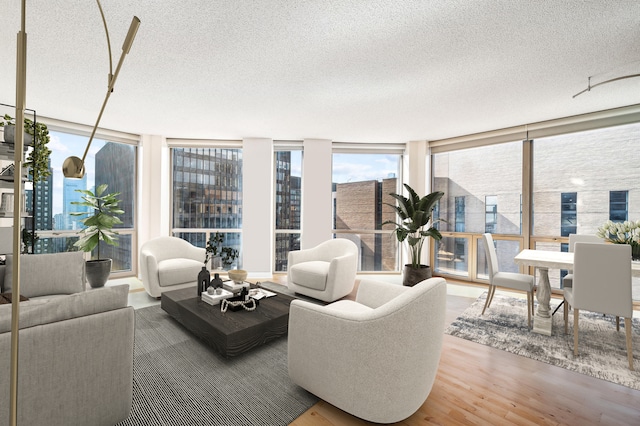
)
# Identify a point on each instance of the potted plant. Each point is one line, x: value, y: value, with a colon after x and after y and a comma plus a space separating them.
x: 215, y: 249
x: 38, y: 159
x: 414, y: 214
x: 101, y: 218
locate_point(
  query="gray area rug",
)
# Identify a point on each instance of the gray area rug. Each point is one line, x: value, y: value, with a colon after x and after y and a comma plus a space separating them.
x: 179, y: 380
x: 602, y: 350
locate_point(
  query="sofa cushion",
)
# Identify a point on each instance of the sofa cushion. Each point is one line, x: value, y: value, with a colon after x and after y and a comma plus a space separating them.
x: 46, y: 274
x: 46, y: 311
x: 178, y: 271
x: 311, y: 274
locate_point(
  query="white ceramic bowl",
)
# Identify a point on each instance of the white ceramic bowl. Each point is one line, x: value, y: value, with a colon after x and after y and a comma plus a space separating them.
x: 238, y: 275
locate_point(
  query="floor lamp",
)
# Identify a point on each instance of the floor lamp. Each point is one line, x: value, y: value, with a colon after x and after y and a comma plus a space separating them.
x: 21, y: 92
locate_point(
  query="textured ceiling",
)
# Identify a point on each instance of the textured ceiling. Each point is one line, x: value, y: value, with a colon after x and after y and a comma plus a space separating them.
x: 352, y: 71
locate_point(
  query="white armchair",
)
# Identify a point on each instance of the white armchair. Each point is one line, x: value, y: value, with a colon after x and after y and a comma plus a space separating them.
x: 376, y: 357
x: 326, y: 272
x: 169, y: 263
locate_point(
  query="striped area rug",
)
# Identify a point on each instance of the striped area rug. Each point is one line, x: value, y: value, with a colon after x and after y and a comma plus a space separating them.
x: 602, y: 351
x: 178, y: 380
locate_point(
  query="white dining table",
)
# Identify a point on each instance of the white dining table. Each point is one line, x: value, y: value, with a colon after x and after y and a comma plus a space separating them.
x: 544, y: 260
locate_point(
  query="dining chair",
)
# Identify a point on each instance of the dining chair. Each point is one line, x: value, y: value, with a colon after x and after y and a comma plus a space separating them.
x: 601, y: 283
x: 510, y: 280
x: 567, y: 281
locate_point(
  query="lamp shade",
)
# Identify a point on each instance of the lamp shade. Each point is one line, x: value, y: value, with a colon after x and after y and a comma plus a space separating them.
x: 73, y: 167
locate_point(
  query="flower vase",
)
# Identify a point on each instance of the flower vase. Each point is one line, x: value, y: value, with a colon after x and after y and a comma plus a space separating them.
x: 204, y: 277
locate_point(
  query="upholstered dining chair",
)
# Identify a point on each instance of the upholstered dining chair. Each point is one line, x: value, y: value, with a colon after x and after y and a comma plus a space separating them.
x: 510, y: 280
x: 325, y: 272
x: 567, y: 281
x: 601, y: 283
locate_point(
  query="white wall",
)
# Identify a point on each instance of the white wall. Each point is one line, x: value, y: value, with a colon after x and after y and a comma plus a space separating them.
x: 316, y: 192
x: 257, y: 207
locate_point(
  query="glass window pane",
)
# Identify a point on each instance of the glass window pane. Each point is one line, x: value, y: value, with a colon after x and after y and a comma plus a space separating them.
x: 581, y: 180
x: 452, y: 255
x: 216, y: 204
x: 471, y: 187
x: 361, y: 187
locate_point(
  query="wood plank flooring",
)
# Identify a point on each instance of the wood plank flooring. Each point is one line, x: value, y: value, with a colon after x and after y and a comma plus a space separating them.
x: 479, y: 385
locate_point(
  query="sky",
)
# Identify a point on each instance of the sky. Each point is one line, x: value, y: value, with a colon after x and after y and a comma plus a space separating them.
x: 361, y: 167
x: 63, y: 145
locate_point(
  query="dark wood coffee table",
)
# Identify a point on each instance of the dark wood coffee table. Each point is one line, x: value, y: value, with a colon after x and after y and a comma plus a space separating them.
x: 231, y: 333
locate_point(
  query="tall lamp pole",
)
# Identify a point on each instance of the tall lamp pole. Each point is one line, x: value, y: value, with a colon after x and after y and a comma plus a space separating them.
x: 21, y: 93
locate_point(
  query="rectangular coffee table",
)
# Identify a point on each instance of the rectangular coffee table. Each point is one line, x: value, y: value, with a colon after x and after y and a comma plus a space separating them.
x: 231, y: 333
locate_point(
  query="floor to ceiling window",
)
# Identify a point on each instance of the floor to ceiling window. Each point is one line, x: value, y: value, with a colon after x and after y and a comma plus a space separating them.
x: 362, y: 183
x: 597, y: 180
x: 108, y: 162
x: 288, y: 197
x: 577, y: 181
x: 207, y: 197
x: 478, y: 197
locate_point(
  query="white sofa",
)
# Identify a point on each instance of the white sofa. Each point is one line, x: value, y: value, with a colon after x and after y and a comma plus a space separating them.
x: 170, y: 263
x: 376, y: 357
x: 326, y: 272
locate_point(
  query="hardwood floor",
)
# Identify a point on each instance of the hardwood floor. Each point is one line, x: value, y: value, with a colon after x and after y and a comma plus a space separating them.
x: 479, y: 385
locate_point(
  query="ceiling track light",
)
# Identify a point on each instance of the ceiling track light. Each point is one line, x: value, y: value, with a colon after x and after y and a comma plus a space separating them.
x: 589, y: 86
x: 73, y: 167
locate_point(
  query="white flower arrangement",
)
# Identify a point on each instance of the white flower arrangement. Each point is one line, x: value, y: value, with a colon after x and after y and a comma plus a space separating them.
x: 627, y: 232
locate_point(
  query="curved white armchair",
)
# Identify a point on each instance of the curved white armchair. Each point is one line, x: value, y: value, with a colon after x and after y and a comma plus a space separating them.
x: 375, y: 357
x: 169, y: 263
x: 325, y: 272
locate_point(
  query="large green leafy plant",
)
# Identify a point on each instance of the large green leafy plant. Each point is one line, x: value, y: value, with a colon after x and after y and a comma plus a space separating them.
x: 414, y: 214
x: 101, y: 218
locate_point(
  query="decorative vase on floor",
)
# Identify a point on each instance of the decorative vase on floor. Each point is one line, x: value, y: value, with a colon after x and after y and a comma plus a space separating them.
x: 98, y: 272
x: 412, y: 276
x: 204, y: 278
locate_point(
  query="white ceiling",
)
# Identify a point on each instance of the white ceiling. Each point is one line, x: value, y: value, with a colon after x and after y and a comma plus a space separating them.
x: 350, y: 71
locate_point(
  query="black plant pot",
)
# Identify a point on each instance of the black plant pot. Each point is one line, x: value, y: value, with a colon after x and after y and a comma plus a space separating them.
x: 98, y: 272
x: 412, y: 276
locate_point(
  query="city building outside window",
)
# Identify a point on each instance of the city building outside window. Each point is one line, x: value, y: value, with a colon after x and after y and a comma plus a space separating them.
x: 108, y: 162
x: 490, y: 214
x: 362, y: 183
x: 207, y: 197
x: 568, y: 213
x: 618, y: 206
x: 288, y: 197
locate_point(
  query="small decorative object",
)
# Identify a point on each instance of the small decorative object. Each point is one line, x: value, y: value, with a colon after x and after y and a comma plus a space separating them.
x: 627, y: 232
x: 238, y: 275
x: 211, y: 290
x: 242, y: 301
x: 203, y: 280
x: 218, y: 290
x: 216, y: 282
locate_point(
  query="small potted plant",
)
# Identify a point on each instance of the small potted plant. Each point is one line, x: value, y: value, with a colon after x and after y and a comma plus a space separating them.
x: 101, y: 218
x: 414, y: 214
x: 215, y: 249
